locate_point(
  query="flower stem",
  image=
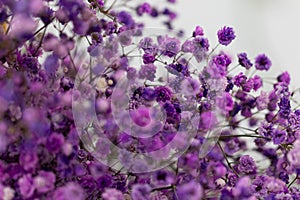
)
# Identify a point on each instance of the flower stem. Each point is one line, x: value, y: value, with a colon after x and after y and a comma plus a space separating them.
x: 233, y: 68
x: 212, y: 51
x: 243, y: 135
x: 162, y: 188
x: 226, y: 159
x: 293, y: 181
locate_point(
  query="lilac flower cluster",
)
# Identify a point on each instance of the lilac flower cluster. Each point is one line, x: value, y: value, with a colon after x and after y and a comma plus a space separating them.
x: 230, y: 137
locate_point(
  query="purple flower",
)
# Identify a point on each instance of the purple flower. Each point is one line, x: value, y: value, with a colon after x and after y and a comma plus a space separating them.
x: 246, y: 111
x: 112, y: 194
x: 293, y: 156
x: 233, y: 145
x: 163, y: 93
x: 149, y: 94
x: 178, y: 68
x: 248, y: 86
x: 125, y: 18
x: 259, y: 185
x: 262, y: 62
x: 100, y: 2
x: 201, y: 43
x: 284, y: 77
x: 154, y: 12
x: 163, y: 177
x: 44, y: 181
x: 148, y: 58
x: 275, y: 185
x: 41, y: 152
x: 244, y: 61
x: 262, y: 101
x: 242, y: 188
x: 28, y: 62
x: 144, y: 8
x: 222, y: 60
x: 62, y: 16
x: 29, y: 160
x: 226, y: 35
x: 141, y: 116
x: 257, y: 82
x: 169, y: 46
x: 239, y: 79
x: 147, y: 45
x: 232, y: 179
x: 131, y: 73
x: 247, y: 165
x: 26, y: 186
x: 279, y: 136
x: 18, y: 30
x: 69, y: 191
x: 294, y: 120
x: 190, y: 191
x: 51, y: 64
x: 208, y: 120
x: 104, y: 181
x: 225, y: 102
x: 266, y: 129
x: 190, y: 87
x: 110, y: 28
x: 55, y: 142
x: 198, y: 31
x: 147, y: 72
x: 172, y: 15
x: 141, y: 192
x: 284, y: 196
x: 285, y: 107
x: 200, y: 49
x: 188, y: 46
x: 226, y: 195
x: 217, y: 170
x: 6, y: 192
x: 125, y: 38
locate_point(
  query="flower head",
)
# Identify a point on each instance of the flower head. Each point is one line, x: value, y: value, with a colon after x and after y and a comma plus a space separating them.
x: 226, y: 35
x: 26, y: 186
x: 244, y: 61
x: 169, y: 46
x: 112, y: 194
x: 262, y: 62
x: 198, y: 31
x: 141, y: 192
x: 190, y: 191
x: 247, y: 165
x: 69, y: 191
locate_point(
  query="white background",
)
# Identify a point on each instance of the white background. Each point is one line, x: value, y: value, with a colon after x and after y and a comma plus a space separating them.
x: 262, y: 26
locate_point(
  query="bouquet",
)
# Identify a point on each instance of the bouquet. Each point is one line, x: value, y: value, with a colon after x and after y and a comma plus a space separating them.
x: 96, y: 104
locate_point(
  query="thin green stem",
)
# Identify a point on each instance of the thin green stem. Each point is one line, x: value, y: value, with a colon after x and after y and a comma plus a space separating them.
x: 233, y: 68
x: 242, y: 135
x: 111, y: 6
x: 248, y: 129
x: 212, y: 51
x: 293, y: 181
x: 162, y: 188
x: 237, y: 122
x: 9, y: 25
x: 226, y: 159
x: 252, y: 73
x: 41, y: 41
x: 175, y: 193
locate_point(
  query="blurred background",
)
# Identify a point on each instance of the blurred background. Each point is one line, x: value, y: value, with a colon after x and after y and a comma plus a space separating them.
x: 262, y: 26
